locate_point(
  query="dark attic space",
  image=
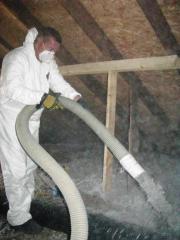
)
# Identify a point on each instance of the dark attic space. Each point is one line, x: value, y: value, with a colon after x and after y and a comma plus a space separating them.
x: 90, y: 120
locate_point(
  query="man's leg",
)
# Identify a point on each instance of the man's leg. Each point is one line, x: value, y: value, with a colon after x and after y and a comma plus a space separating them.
x: 14, y: 163
x: 17, y: 171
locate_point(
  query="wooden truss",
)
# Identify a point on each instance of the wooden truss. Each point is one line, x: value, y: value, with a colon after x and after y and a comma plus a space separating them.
x: 112, y: 68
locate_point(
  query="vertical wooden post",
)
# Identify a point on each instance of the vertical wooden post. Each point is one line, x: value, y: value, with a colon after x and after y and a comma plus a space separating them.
x: 133, y: 137
x: 130, y: 133
x: 110, y: 124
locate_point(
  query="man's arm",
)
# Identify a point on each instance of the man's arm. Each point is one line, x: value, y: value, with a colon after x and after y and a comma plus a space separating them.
x: 58, y: 84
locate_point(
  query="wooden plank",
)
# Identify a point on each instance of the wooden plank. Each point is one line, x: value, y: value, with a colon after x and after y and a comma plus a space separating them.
x: 110, y: 125
x: 126, y: 65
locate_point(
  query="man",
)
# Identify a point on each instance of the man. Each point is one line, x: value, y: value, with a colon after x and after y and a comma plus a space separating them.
x: 28, y: 72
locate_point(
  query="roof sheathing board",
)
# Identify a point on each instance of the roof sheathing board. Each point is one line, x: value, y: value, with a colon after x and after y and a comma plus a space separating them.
x: 125, y: 24
x: 164, y: 87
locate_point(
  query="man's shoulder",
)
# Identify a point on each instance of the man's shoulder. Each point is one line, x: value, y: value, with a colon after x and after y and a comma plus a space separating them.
x: 17, y: 54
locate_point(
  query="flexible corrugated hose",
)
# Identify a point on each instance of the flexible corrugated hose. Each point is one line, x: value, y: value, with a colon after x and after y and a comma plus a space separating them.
x: 77, y: 211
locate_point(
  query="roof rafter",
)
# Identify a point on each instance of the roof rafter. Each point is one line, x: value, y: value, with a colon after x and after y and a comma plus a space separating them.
x: 5, y: 44
x: 8, y: 12
x: 160, y: 25
x: 106, y: 46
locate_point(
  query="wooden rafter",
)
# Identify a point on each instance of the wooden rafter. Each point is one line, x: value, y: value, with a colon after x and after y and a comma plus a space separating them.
x: 5, y: 43
x: 98, y: 36
x: 21, y: 13
x: 8, y: 13
x: 160, y: 25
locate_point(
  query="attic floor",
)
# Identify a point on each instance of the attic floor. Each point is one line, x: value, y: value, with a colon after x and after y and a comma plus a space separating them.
x: 125, y: 203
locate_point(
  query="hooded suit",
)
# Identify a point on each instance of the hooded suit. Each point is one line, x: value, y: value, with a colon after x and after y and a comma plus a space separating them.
x: 24, y: 80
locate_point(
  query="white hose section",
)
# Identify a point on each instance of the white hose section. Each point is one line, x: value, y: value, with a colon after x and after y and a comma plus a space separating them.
x: 131, y: 165
x: 119, y: 151
x: 78, y: 215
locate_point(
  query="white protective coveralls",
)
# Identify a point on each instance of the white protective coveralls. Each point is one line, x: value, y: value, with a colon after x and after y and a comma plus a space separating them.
x: 23, y: 81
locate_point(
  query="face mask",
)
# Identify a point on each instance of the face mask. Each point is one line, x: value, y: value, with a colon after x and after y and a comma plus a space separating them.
x: 46, y: 56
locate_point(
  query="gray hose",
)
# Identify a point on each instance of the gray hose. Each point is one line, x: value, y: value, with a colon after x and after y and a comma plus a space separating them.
x: 78, y: 215
x: 153, y: 191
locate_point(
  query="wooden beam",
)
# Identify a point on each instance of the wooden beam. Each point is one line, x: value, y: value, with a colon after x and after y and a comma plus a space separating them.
x: 5, y: 44
x: 21, y: 13
x: 110, y: 125
x: 106, y: 46
x: 11, y: 15
x: 160, y: 25
x: 127, y: 65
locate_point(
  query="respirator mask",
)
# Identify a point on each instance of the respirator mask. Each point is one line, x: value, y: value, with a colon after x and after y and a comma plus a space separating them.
x: 46, y: 56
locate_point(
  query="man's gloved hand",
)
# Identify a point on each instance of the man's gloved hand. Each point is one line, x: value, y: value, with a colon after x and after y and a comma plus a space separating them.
x: 50, y: 102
